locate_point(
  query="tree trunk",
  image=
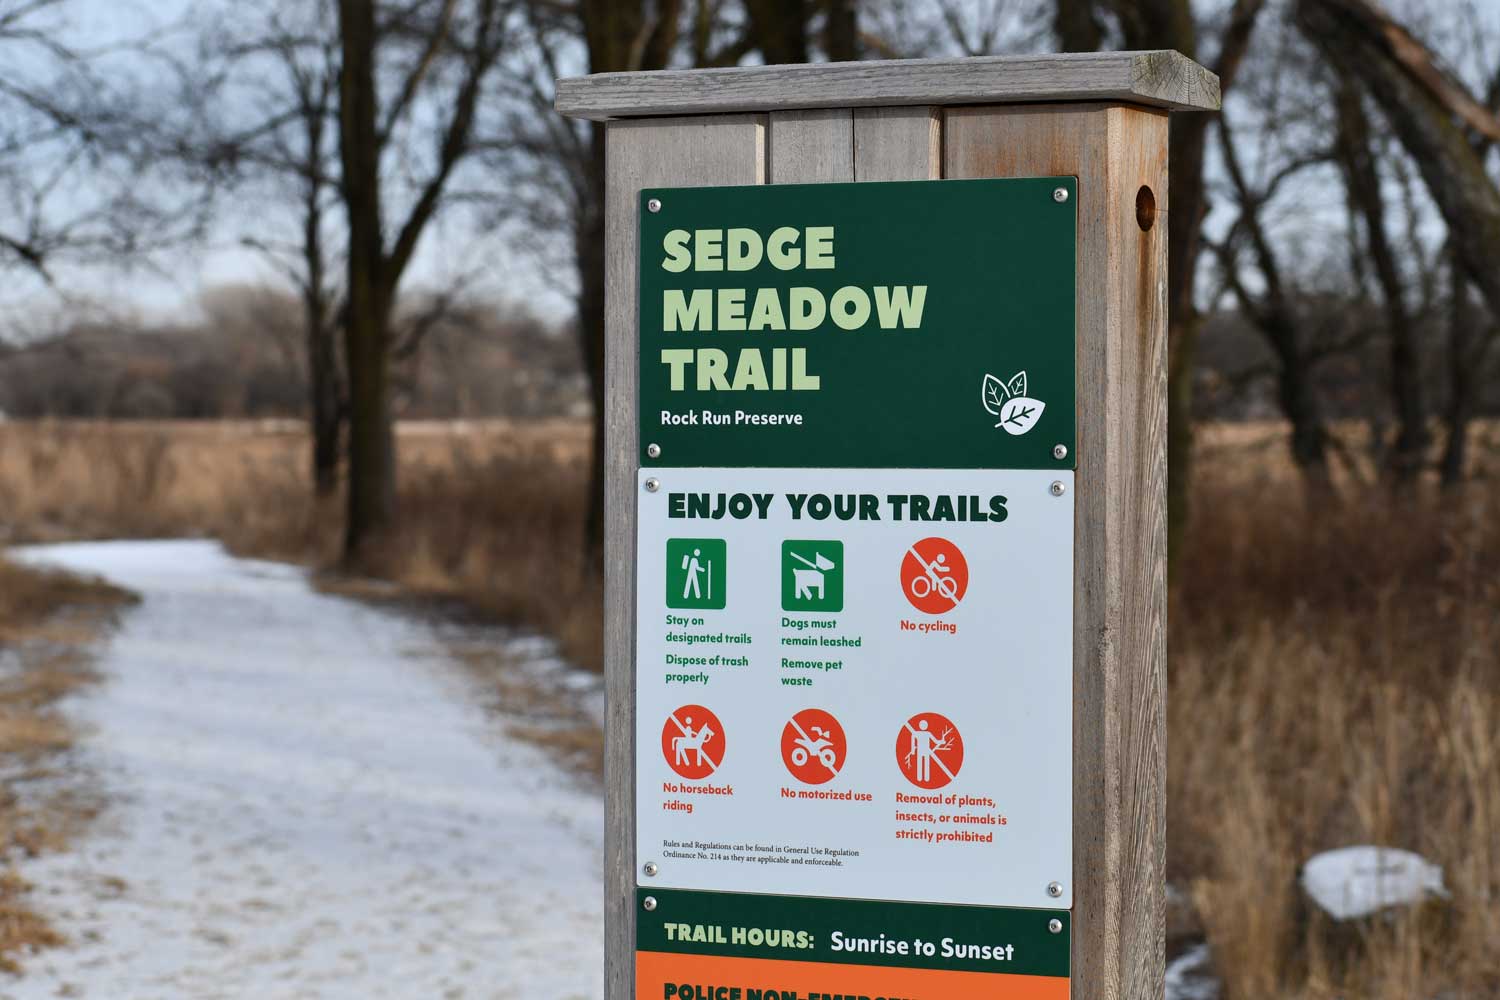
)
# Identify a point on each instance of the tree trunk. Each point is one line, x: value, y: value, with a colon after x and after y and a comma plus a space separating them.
x: 1409, y: 455
x: 372, y: 446
x: 1076, y: 23
x: 372, y: 452
x: 779, y: 29
x: 589, y: 254
x: 1299, y: 401
x: 324, y: 407
x: 325, y: 416
x: 1187, y: 132
x: 841, y: 31
x: 1462, y: 381
x: 1274, y: 314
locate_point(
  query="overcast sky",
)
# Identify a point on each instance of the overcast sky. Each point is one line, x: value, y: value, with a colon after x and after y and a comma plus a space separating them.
x: 170, y: 283
x: 174, y: 281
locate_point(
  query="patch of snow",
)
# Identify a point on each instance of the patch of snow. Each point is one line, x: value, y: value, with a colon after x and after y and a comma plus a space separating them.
x: 1190, y: 976
x: 1354, y: 882
x: 307, y: 803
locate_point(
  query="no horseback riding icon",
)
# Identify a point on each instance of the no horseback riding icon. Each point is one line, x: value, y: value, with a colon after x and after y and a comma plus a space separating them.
x: 692, y: 740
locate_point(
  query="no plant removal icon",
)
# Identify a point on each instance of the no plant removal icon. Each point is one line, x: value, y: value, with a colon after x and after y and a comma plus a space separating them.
x: 929, y: 750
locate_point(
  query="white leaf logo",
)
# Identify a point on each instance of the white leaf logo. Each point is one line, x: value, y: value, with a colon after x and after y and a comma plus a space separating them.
x: 1017, y: 411
x: 994, y: 394
x: 1020, y: 414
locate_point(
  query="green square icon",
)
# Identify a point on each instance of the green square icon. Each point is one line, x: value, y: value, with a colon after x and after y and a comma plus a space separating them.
x: 812, y: 575
x: 696, y: 573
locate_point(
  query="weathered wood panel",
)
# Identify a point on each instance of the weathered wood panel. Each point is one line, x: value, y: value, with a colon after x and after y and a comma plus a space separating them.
x: 690, y: 152
x: 1119, y: 738
x: 1159, y: 79
x: 898, y: 144
x: 810, y: 147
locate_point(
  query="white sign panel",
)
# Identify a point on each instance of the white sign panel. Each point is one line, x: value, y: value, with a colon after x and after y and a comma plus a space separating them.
x: 856, y: 683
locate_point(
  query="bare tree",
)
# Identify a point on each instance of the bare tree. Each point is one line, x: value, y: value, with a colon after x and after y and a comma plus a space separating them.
x: 1429, y: 111
x: 435, y: 59
x: 75, y: 148
x: 1274, y: 309
x: 1468, y: 346
x: 268, y: 120
x: 1358, y: 160
x: 1445, y: 129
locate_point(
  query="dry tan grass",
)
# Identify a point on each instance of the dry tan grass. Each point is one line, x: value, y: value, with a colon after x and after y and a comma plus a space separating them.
x: 488, y: 507
x: 21, y: 929
x: 46, y: 620
x: 1333, y: 664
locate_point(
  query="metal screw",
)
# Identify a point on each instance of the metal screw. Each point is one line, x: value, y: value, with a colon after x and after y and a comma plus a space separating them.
x: 1059, y: 195
x: 1058, y: 488
x: 654, y: 204
x: 1054, y: 925
x: 1059, y: 451
x: 651, y: 868
x: 653, y: 451
x: 648, y: 904
x: 652, y: 485
x: 1054, y: 889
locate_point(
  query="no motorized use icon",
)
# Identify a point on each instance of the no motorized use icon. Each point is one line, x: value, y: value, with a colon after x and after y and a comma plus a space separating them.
x: 813, y: 746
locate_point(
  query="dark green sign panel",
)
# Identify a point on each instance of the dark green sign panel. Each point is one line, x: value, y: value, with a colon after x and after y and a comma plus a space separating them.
x: 857, y: 932
x: 921, y: 324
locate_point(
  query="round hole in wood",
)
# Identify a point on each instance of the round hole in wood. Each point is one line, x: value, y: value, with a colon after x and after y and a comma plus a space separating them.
x: 1145, y: 208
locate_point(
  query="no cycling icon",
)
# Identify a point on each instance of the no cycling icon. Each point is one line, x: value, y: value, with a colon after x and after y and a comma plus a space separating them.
x: 934, y: 575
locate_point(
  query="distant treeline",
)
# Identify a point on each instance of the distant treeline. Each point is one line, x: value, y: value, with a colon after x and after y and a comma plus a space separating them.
x: 244, y: 358
x: 1349, y: 364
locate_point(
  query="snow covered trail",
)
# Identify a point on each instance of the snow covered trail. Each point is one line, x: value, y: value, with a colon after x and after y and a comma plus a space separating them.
x: 306, y: 802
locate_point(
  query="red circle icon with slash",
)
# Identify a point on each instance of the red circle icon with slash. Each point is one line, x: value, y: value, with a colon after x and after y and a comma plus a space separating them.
x: 693, y: 742
x: 934, y: 575
x: 813, y: 746
x: 929, y: 750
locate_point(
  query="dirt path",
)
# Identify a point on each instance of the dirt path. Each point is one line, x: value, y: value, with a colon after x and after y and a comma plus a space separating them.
x: 306, y: 803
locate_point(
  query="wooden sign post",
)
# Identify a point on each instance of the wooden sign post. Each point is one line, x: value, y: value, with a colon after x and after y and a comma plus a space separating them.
x: 955, y: 388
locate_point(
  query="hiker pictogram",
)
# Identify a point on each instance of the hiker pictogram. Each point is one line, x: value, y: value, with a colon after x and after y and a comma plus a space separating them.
x: 812, y: 576
x: 934, y: 576
x: 693, y: 742
x: 696, y: 573
x: 813, y: 746
x: 929, y: 750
